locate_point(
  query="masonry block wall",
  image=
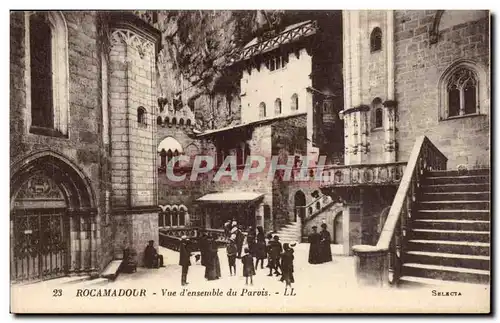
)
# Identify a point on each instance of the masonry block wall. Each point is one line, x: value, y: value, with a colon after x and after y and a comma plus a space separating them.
x: 133, y: 136
x: 133, y: 116
x: 419, y: 66
x: 82, y: 146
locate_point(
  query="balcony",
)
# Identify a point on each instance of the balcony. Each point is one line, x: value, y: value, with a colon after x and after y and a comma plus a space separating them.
x: 362, y: 175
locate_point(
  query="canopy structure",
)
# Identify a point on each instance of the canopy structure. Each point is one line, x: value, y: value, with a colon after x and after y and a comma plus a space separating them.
x: 230, y: 197
x: 170, y: 143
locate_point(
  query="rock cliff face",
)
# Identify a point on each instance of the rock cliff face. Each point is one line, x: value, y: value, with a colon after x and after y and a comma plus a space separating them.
x: 193, y: 63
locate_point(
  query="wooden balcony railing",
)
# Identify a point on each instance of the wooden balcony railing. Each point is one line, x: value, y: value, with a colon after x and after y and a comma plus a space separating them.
x: 381, y: 264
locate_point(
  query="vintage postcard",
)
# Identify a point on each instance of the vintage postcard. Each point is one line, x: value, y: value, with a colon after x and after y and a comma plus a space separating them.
x: 250, y: 161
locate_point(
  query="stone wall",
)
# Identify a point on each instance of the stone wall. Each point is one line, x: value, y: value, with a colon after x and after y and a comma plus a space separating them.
x: 83, y: 145
x: 420, y: 64
x: 267, y: 86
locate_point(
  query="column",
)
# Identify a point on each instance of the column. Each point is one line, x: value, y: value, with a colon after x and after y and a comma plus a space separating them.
x: 390, y: 144
x: 310, y: 122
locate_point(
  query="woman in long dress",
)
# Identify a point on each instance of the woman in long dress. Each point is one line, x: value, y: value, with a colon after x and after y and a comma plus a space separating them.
x: 212, y: 268
x: 325, y: 248
x: 314, y: 248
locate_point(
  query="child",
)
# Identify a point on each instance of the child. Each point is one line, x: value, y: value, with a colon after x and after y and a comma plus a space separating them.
x: 231, y: 254
x: 248, y: 270
x: 287, y: 266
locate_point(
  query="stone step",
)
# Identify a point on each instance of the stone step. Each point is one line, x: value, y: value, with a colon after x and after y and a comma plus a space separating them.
x: 454, y: 205
x: 452, y: 224
x: 441, y: 173
x: 444, y: 246
x: 483, y: 215
x: 447, y: 259
x: 469, y: 187
x: 456, y: 196
x: 111, y: 270
x: 467, y: 275
x: 462, y: 179
x: 454, y: 235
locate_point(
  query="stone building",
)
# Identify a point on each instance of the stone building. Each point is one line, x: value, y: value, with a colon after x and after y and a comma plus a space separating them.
x: 91, y: 138
x: 83, y: 140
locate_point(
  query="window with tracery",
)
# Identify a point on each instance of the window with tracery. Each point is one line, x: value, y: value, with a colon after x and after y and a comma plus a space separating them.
x: 462, y: 93
x: 48, y: 72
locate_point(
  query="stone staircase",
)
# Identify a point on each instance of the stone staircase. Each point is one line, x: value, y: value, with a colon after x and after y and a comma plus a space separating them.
x: 290, y: 233
x: 449, y: 236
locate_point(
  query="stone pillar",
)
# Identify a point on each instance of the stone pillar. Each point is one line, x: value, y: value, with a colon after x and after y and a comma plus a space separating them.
x: 372, y: 266
x: 356, y: 134
x: 346, y: 230
x: 309, y: 122
x: 390, y: 143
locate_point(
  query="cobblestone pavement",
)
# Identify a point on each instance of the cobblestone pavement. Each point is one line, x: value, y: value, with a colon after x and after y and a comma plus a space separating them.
x: 328, y: 287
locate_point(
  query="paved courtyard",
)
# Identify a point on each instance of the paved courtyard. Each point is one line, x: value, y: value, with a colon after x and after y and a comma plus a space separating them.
x: 329, y: 287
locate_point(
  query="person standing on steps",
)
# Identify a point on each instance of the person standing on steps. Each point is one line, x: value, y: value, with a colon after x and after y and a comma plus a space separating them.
x: 184, y: 259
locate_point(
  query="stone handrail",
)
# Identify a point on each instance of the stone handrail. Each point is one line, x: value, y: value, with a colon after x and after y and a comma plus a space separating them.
x: 382, y: 263
x: 362, y: 174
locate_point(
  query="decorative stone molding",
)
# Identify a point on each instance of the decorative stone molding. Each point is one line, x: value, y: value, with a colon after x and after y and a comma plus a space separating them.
x: 134, y: 40
x: 434, y: 32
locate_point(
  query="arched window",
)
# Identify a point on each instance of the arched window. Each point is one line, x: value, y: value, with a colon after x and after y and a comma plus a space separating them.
x: 277, y: 107
x: 47, y: 50
x: 294, y: 104
x: 181, y: 122
x: 174, y: 121
x: 262, y: 110
x: 378, y: 118
x: 376, y: 40
x: 462, y: 93
x: 159, y: 121
x: 168, y: 219
x: 182, y: 217
x: 175, y: 217
x: 161, y: 219
x: 188, y: 122
x: 462, y: 90
x: 141, y: 116
x: 378, y: 113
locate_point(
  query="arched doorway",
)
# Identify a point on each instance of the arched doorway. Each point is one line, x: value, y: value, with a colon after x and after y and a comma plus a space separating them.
x: 338, y: 236
x: 299, y: 205
x: 52, y: 217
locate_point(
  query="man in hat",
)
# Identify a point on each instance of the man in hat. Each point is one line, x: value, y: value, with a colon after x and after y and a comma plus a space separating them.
x: 324, y: 246
x: 152, y: 259
x: 184, y: 259
x: 314, y: 247
x: 275, y: 250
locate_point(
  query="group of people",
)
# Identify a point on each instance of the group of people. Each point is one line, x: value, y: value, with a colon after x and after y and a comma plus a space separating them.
x: 280, y: 257
x: 259, y: 246
x: 319, y: 245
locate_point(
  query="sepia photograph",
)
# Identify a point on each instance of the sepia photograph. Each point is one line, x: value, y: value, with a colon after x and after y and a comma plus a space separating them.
x: 250, y: 161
